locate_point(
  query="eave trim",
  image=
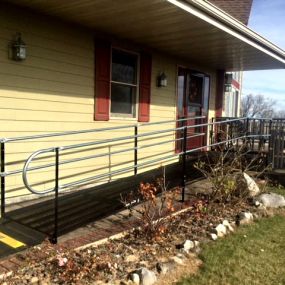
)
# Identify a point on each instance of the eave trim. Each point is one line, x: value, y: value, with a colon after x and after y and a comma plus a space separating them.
x: 216, y: 17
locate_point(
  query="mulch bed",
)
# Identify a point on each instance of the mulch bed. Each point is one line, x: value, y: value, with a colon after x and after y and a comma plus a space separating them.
x: 113, y: 261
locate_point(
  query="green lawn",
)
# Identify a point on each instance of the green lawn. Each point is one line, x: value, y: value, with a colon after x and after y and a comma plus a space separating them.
x: 278, y: 190
x: 254, y: 255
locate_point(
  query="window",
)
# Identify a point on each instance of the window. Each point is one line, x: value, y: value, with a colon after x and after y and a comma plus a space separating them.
x: 124, y: 83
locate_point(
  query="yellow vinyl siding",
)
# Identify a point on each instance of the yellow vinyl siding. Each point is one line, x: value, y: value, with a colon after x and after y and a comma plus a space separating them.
x: 53, y: 91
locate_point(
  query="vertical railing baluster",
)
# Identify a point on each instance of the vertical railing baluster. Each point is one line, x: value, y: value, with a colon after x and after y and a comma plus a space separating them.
x: 2, y: 179
x: 184, y: 174
x: 270, y: 137
x: 281, y: 164
x: 261, y: 134
x: 135, y: 149
x: 110, y: 163
x: 254, y: 131
x: 247, y: 126
x: 56, y: 188
x: 230, y: 134
x: 212, y: 133
x: 273, y: 148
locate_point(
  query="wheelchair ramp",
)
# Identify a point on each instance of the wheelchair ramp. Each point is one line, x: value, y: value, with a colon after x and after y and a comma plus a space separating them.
x: 15, y: 237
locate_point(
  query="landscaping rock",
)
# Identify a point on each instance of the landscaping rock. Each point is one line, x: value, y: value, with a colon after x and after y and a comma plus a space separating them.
x: 244, y: 218
x: 221, y: 230
x: 188, y: 245
x: 251, y: 185
x: 165, y: 267
x: 135, y: 278
x: 214, y: 236
x: 272, y: 200
x: 146, y: 277
x: 257, y: 204
x: 228, y: 226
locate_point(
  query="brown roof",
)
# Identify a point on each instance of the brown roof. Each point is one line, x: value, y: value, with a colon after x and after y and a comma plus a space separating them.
x: 240, y: 9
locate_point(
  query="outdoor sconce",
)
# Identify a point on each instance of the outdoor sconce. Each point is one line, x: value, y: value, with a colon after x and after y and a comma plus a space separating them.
x: 161, y: 80
x: 228, y: 88
x: 18, y: 49
x: 228, y: 78
x: 228, y: 82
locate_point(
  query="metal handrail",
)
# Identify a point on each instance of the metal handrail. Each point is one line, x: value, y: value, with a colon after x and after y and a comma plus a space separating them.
x: 35, y: 154
x: 59, y: 134
x: 25, y: 169
x: 101, y: 142
x: 3, y: 141
x: 123, y: 138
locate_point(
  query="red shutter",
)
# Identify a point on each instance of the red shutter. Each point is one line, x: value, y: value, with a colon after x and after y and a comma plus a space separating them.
x: 145, y: 87
x: 102, y: 80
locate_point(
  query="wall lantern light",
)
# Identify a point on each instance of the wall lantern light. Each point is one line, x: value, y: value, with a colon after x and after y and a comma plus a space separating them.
x: 18, y: 48
x: 228, y: 78
x: 162, y: 80
x: 228, y: 87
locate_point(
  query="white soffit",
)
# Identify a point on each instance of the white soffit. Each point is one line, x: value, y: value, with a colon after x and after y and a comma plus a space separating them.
x: 230, y: 25
x: 193, y: 31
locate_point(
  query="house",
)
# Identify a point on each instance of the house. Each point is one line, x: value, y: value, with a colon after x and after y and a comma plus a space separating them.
x: 93, y: 65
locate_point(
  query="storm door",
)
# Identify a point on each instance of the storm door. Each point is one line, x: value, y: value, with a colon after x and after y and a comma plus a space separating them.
x: 192, y: 103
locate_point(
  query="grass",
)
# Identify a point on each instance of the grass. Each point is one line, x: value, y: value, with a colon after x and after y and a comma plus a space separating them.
x: 252, y: 256
x: 278, y: 190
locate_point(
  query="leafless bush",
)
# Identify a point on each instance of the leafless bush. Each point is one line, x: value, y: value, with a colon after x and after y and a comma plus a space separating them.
x: 225, y: 173
x: 153, y: 215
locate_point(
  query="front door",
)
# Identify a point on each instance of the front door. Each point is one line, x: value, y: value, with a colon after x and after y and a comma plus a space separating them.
x: 192, y: 102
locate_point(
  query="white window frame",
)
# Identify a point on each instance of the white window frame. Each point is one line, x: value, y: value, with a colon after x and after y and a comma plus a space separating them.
x: 135, y: 105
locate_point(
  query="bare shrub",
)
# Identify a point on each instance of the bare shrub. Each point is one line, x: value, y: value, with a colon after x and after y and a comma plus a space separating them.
x: 225, y: 173
x: 153, y: 215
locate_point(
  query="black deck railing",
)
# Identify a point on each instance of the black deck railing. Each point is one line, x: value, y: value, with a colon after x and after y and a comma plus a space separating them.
x: 224, y: 132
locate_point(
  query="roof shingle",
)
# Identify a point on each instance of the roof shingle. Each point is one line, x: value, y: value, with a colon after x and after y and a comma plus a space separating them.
x: 239, y: 9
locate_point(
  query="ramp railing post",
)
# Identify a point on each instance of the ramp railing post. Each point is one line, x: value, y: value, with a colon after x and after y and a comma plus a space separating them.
x: 184, y: 171
x: 56, y: 188
x: 247, y: 132
x: 270, y: 140
x: 2, y: 179
x: 135, y: 149
x: 212, y: 133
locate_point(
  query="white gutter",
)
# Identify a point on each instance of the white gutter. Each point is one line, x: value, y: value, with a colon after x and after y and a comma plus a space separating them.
x: 230, y: 25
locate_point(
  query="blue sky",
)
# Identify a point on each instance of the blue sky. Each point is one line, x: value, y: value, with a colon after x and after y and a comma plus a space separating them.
x: 268, y: 19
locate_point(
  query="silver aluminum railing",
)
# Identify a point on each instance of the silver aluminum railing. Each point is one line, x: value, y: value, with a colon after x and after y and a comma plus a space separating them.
x: 134, y: 137
x: 186, y: 130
